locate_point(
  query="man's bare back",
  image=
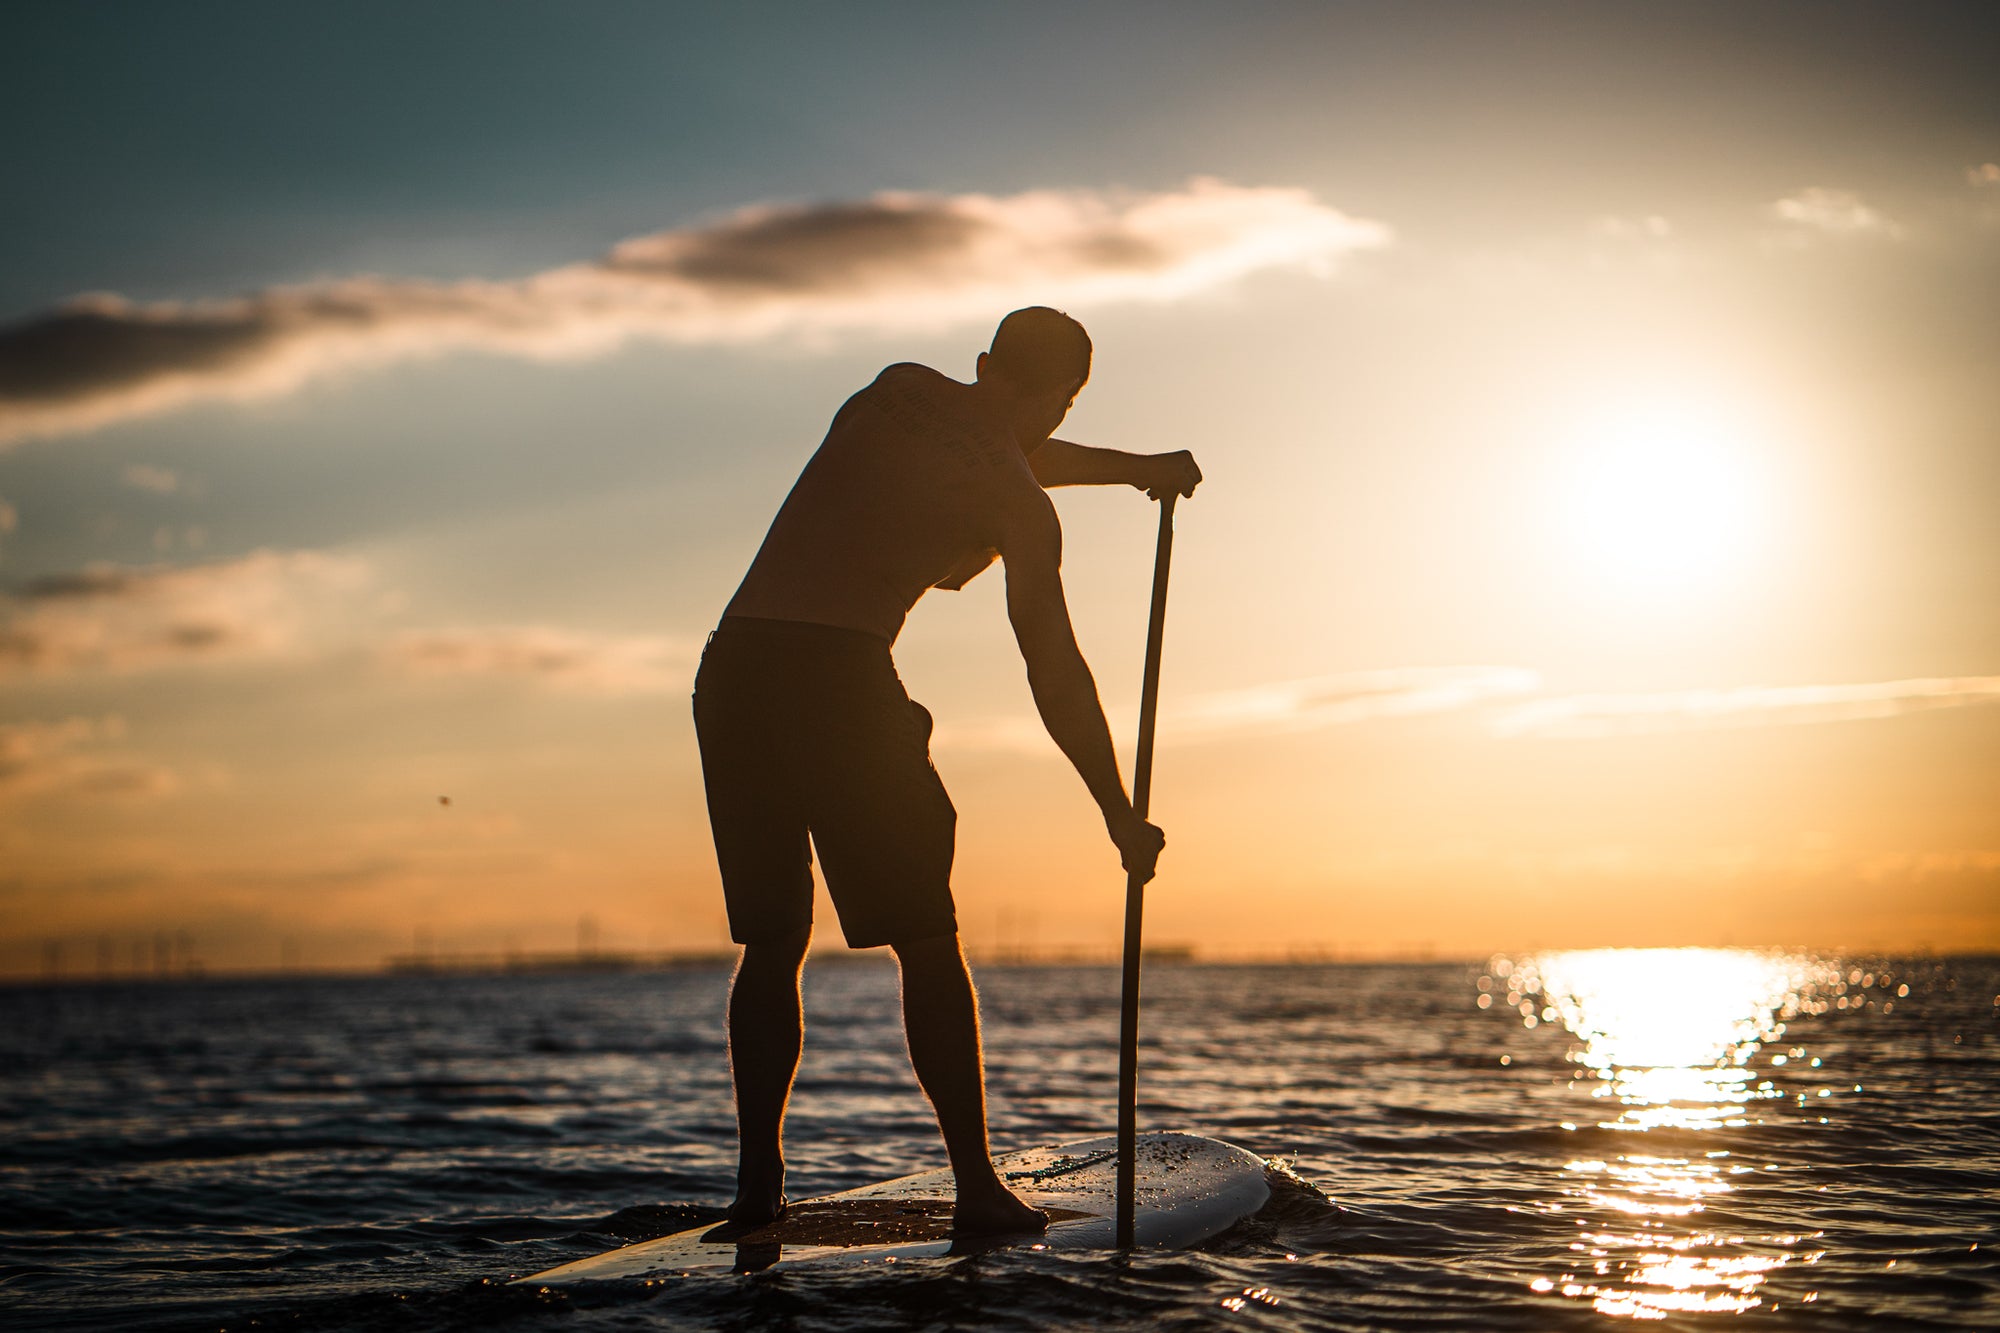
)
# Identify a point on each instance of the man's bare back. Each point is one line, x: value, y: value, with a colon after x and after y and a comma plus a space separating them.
x: 917, y: 484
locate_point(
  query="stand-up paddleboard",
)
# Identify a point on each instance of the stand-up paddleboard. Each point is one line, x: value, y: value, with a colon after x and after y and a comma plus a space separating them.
x: 1189, y: 1189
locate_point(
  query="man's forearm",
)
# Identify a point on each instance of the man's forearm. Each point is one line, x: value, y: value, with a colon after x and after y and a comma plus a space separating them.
x: 1060, y: 463
x: 1066, y: 697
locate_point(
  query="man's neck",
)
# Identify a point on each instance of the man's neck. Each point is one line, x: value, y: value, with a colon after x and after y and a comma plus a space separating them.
x: 998, y: 401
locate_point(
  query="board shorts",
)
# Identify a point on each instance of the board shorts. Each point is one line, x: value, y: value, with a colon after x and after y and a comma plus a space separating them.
x: 808, y: 741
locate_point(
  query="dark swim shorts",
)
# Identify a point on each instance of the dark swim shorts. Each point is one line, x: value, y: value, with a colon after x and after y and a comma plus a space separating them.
x: 805, y: 729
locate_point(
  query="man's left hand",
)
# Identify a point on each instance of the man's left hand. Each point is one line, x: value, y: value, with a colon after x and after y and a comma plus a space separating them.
x: 1169, y: 474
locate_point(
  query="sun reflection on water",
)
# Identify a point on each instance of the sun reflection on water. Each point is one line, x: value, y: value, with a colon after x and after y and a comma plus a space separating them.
x: 1668, y: 1037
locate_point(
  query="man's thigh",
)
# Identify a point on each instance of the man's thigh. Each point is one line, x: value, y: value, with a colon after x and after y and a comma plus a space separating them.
x: 884, y: 827
x: 754, y: 810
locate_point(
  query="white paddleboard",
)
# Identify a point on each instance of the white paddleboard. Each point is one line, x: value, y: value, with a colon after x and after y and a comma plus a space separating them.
x: 1189, y: 1189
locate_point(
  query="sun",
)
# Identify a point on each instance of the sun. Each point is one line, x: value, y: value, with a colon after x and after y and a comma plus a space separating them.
x: 1661, y: 498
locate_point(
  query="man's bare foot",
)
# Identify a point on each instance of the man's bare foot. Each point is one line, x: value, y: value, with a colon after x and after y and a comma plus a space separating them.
x: 756, y: 1208
x: 760, y: 1196
x: 995, y: 1212
x: 745, y: 1216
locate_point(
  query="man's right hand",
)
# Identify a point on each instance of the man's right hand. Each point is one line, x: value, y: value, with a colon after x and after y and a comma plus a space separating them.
x: 1138, y: 844
x: 1169, y: 474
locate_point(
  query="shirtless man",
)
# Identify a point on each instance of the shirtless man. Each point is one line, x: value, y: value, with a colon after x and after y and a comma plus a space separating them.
x: 805, y: 729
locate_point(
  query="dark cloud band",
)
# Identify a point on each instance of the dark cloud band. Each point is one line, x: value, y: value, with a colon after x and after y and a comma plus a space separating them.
x: 890, y: 261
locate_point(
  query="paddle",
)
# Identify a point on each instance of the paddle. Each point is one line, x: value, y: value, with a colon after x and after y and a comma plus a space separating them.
x: 1135, y: 887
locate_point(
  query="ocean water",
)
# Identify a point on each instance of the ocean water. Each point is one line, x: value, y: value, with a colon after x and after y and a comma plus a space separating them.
x: 1696, y: 1139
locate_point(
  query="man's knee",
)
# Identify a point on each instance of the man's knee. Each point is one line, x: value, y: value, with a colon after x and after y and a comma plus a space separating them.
x: 783, y: 952
x: 929, y: 954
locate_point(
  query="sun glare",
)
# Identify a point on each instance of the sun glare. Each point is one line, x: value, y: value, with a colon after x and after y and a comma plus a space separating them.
x: 1670, y: 1037
x: 1662, y: 498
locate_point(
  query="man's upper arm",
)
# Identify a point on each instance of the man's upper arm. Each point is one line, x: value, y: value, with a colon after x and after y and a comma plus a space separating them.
x: 1032, y: 550
x: 1052, y: 462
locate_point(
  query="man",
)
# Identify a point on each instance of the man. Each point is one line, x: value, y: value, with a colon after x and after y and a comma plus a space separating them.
x: 805, y: 729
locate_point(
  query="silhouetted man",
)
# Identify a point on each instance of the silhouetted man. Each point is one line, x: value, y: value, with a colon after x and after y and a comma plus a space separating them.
x: 805, y: 729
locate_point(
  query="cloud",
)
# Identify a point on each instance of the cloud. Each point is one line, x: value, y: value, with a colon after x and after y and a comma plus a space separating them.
x: 563, y: 659
x: 1835, y: 213
x: 131, y: 618
x: 1650, y: 227
x: 39, y: 758
x: 1283, y: 706
x: 890, y: 261
x: 1985, y: 174
x: 272, y: 605
x: 1596, y: 715
x: 1359, y: 696
x: 146, y: 477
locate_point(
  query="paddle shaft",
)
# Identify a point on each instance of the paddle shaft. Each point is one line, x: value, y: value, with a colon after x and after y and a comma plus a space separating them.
x: 1135, y: 887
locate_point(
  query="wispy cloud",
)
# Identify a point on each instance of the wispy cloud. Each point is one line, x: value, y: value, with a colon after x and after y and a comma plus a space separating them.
x: 1835, y: 213
x: 146, y: 477
x: 1357, y: 696
x: 1596, y: 715
x: 42, y: 758
x: 298, y: 605
x: 1984, y: 175
x: 609, y: 664
x: 129, y: 618
x: 1494, y: 691
x: 1282, y: 706
x: 893, y: 260
x: 1646, y: 227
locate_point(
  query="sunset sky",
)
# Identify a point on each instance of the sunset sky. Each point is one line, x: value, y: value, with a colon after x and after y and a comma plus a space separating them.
x: 1598, y: 407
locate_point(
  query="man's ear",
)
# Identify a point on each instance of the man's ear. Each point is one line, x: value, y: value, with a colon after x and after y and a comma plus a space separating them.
x: 979, y: 366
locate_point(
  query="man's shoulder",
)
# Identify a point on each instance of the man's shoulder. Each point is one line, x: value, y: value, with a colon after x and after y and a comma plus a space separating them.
x: 908, y: 393
x: 913, y: 375
x: 921, y: 404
